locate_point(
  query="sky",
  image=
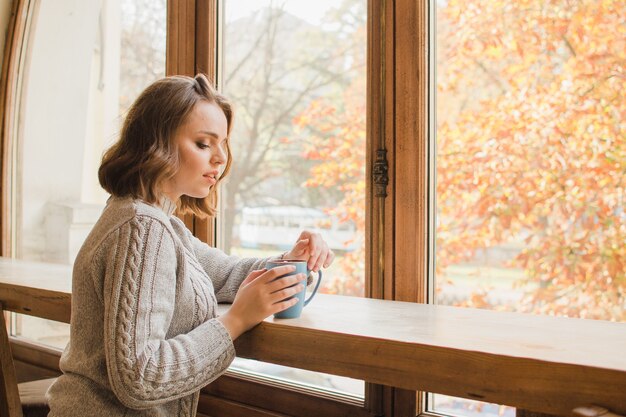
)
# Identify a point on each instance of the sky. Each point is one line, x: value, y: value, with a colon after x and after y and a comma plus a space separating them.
x: 311, y: 11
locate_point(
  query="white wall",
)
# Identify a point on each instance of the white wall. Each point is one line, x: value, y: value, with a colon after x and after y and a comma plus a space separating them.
x: 69, y: 113
x: 103, y: 119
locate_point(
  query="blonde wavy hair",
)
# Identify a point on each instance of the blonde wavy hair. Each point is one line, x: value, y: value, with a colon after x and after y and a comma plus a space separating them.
x: 145, y: 154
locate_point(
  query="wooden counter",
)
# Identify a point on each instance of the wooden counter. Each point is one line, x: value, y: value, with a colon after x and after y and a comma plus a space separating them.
x: 537, y: 363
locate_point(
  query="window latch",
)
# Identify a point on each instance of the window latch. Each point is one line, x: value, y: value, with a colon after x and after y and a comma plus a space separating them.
x: 380, y: 173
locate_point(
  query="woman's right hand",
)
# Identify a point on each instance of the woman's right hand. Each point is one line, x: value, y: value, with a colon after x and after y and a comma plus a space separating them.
x: 261, y: 295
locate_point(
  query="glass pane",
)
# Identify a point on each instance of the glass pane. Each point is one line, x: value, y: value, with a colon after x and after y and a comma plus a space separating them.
x: 70, y: 114
x: 453, y: 406
x: 531, y: 158
x: 296, y: 73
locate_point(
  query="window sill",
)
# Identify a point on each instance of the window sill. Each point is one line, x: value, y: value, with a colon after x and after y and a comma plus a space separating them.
x: 544, y: 364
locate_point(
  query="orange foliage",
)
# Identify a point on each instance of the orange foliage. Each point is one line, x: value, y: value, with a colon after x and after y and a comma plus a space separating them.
x: 530, y: 146
x: 338, y: 143
x: 542, y: 153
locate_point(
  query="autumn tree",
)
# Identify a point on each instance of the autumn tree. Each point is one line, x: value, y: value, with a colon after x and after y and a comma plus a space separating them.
x: 335, y: 127
x: 276, y: 64
x: 339, y: 150
x: 530, y: 148
x: 142, y: 49
x: 533, y: 147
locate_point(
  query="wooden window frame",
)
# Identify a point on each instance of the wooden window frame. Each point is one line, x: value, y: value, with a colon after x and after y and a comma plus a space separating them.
x: 22, y: 13
x: 398, y: 233
x: 397, y: 121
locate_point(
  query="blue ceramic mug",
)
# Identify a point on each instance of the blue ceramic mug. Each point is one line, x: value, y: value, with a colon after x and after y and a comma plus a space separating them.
x: 301, y: 268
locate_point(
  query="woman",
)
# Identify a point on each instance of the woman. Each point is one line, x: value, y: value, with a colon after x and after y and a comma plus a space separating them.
x: 145, y: 336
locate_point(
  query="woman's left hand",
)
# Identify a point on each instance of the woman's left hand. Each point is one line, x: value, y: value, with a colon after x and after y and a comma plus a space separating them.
x: 312, y: 248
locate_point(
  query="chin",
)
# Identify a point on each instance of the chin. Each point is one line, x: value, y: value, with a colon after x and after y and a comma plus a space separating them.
x: 200, y: 194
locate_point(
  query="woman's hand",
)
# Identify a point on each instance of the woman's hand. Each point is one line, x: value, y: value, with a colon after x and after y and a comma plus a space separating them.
x: 261, y: 295
x: 312, y: 248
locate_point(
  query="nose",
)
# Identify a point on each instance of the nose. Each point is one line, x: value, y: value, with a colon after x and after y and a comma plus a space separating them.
x: 220, y: 155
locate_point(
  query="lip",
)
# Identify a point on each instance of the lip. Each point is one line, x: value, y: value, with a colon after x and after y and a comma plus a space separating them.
x: 211, y: 176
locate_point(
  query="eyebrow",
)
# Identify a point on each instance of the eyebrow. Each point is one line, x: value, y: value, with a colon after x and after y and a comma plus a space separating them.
x: 208, y: 133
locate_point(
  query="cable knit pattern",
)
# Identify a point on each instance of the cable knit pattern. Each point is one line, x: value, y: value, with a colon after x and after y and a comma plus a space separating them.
x: 144, y: 334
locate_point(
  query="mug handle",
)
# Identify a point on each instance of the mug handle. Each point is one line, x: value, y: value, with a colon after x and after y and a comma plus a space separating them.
x: 319, y: 280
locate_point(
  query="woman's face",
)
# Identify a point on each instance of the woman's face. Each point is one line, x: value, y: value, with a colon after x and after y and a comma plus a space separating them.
x: 201, y: 143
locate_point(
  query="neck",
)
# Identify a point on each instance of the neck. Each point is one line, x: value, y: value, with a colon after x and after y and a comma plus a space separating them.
x: 167, y: 204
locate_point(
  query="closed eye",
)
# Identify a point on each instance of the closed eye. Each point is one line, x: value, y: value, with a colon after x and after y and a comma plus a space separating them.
x: 202, y: 145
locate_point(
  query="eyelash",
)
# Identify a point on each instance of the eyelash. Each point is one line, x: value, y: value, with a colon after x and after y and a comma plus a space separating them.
x: 204, y: 146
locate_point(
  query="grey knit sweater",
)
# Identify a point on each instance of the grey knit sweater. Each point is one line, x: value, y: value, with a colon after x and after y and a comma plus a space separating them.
x: 144, y: 334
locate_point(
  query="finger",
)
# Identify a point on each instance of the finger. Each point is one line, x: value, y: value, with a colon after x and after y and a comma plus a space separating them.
x: 284, y: 305
x: 252, y: 276
x: 316, y: 249
x: 329, y: 258
x: 314, y: 256
x: 285, y: 282
x: 300, y: 247
x: 271, y: 274
x: 286, y: 293
x: 304, y: 235
x: 322, y: 256
x: 320, y: 261
x: 325, y: 258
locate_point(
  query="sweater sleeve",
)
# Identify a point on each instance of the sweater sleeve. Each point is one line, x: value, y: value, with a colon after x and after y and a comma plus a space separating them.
x: 145, y: 367
x: 225, y: 271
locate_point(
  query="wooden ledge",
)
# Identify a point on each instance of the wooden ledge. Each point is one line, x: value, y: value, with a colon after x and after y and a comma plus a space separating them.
x: 538, y: 363
x: 37, y: 289
x: 544, y: 364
